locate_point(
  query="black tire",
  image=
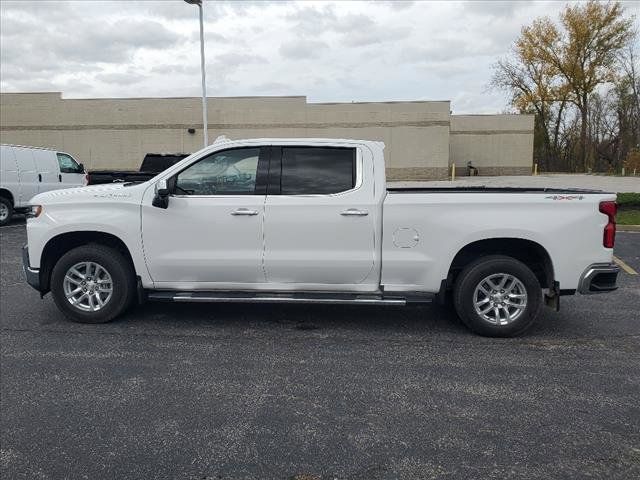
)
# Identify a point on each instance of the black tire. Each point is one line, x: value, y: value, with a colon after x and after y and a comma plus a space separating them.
x: 122, y: 276
x: 6, y: 203
x: 471, y: 277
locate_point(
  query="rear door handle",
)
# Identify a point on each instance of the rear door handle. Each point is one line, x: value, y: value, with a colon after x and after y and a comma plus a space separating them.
x: 39, y: 177
x: 244, y: 211
x: 354, y: 212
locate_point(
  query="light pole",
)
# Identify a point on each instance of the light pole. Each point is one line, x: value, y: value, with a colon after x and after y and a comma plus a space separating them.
x: 204, y: 82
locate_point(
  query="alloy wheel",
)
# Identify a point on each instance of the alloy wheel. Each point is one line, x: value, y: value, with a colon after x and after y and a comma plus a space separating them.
x: 88, y: 286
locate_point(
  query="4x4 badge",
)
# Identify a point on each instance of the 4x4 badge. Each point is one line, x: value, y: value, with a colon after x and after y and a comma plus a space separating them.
x: 565, y: 197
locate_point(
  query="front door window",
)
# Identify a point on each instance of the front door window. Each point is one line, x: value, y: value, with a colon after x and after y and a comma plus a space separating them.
x: 68, y: 164
x: 232, y: 172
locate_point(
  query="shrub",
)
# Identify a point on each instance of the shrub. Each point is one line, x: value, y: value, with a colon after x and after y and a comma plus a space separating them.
x: 628, y: 200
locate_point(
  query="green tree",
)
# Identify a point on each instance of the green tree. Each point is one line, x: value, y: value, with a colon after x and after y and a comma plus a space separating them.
x: 586, y: 53
x: 556, y: 63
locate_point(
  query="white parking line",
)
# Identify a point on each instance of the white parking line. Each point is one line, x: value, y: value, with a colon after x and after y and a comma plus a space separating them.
x: 624, y: 266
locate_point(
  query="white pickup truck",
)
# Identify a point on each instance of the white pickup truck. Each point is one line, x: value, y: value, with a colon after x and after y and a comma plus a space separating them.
x: 313, y: 221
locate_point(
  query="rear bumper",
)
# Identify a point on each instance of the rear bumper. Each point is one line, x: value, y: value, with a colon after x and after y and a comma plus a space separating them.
x: 599, y: 278
x: 32, y: 274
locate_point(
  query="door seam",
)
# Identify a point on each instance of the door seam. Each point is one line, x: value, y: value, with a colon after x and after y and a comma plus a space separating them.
x: 264, y: 243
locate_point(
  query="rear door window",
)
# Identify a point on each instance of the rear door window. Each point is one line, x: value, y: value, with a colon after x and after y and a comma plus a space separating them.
x: 317, y: 170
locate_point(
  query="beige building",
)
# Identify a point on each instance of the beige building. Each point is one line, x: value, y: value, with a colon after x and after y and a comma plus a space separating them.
x: 422, y: 138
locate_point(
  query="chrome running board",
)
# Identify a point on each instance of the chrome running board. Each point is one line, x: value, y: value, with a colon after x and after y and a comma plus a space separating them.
x: 289, y: 297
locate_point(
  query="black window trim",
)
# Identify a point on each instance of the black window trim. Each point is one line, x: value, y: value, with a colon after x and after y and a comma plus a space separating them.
x: 275, y: 170
x: 261, y: 173
x: 274, y: 184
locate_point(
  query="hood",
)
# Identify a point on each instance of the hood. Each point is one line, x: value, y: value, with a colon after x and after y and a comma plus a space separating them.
x: 93, y: 193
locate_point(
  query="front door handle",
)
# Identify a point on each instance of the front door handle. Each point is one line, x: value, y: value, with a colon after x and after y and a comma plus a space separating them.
x: 354, y: 212
x: 244, y: 211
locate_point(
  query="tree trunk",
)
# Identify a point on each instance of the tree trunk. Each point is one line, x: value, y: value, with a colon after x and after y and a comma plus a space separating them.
x: 541, y: 141
x: 582, y: 158
x: 558, y: 162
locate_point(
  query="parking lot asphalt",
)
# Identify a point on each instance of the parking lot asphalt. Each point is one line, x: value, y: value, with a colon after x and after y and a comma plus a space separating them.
x: 292, y: 392
x: 628, y: 249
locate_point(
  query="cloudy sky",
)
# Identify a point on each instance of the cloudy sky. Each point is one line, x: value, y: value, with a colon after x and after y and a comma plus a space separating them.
x: 328, y: 51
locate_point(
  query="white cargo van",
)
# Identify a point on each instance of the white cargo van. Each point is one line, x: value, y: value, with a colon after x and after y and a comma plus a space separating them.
x: 27, y: 171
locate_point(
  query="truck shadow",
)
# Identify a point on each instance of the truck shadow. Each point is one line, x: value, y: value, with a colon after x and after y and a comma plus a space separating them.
x: 17, y: 219
x: 321, y: 319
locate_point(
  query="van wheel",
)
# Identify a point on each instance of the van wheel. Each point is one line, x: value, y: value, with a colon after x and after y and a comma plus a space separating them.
x: 497, y: 296
x: 93, y: 284
x: 6, y: 210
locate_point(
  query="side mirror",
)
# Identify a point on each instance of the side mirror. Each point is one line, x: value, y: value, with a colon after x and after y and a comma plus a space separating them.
x: 161, y: 198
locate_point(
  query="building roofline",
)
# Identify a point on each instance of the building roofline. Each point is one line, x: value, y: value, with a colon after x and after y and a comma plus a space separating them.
x: 151, y: 98
x: 493, y: 114
x: 31, y: 93
x: 383, y: 102
x: 188, y: 98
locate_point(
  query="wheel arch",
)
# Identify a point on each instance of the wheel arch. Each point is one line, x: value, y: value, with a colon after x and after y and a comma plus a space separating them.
x: 529, y: 252
x: 8, y: 195
x: 57, y: 246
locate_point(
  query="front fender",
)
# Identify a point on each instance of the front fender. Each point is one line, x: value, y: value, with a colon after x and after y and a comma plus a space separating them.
x: 122, y: 220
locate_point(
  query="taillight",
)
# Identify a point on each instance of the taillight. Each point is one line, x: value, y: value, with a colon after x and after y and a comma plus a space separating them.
x: 609, y: 209
x: 87, y: 179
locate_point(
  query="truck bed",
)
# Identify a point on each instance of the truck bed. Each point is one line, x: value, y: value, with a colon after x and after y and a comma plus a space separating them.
x: 483, y: 189
x: 153, y: 164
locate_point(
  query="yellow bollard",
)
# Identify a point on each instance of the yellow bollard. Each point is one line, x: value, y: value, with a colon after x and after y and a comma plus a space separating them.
x: 535, y: 169
x: 453, y: 172
x: 623, y: 172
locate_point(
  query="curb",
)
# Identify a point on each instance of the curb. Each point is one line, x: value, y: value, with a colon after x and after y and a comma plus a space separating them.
x: 628, y: 228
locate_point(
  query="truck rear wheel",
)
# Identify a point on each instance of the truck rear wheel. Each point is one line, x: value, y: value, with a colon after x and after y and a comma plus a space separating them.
x: 497, y: 296
x: 6, y: 210
x: 93, y: 284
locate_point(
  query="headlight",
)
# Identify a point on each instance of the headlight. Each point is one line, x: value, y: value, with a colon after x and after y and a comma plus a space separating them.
x: 34, y: 211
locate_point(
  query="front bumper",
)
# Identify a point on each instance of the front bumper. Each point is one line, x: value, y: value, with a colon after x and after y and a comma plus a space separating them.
x: 32, y: 274
x: 599, y: 278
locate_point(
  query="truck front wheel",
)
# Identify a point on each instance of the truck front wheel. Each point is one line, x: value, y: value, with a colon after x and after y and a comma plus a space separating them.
x: 497, y: 296
x: 93, y: 284
x: 6, y: 210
